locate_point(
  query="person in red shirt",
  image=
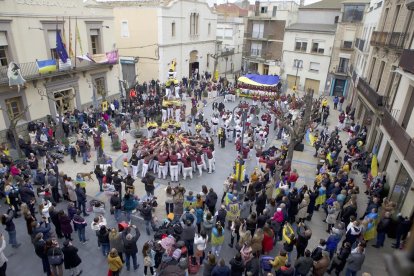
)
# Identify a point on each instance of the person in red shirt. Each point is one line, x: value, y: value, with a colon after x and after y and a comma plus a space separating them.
x: 245, y: 152
x: 162, y: 166
x: 174, y: 166
x: 187, y: 170
x: 293, y: 178
x: 210, y: 160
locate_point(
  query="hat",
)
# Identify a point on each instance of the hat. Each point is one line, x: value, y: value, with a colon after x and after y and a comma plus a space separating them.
x: 51, y: 171
x: 176, y: 254
x: 170, y: 216
x: 279, y: 209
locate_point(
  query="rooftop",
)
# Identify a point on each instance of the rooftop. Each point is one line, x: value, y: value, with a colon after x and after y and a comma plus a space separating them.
x: 325, y: 28
x: 325, y: 4
x: 231, y: 8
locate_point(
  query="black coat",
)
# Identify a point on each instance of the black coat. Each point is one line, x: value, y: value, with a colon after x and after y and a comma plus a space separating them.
x: 71, y: 258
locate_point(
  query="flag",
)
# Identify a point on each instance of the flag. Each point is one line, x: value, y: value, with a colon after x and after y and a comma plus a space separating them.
x: 112, y: 57
x: 99, y: 58
x: 78, y: 39
x: 310, y: 138
x: 71, y: 54
x: 60, y: 48
x: 46, y: 66
x: 374, y: 162
x: 15, y: 75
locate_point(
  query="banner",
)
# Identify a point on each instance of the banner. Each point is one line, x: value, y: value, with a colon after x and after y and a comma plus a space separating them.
x: 15, y: 75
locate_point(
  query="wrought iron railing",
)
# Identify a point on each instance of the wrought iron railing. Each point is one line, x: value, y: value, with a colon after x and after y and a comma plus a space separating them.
x: 407, y: 60
x: 369, y: 93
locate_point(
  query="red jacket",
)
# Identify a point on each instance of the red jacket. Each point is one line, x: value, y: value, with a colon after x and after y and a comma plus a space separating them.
x: 267, y: 243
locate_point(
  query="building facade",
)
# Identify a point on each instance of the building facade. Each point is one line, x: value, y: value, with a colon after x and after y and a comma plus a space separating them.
x: 350, y: 19
x: 180, y: 30
x: 264, y: 37
x: 385, y: 100
x: 307, y: 47
x: 28, y: 34
x: 230, y: 31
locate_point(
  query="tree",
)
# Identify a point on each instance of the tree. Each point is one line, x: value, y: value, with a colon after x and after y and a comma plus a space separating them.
x: 296, y: 128
x: 14, y: 119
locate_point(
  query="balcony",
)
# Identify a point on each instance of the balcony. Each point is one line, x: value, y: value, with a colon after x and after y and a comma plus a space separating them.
x: 369, y: 93
x: 342, y: 70
x: 400, y: 137
x: 347, y: 45
x: 360, y: 44
x: 30, y: 71
x: 394, y: 40
x: 227, y: 52
x: 407, y: 61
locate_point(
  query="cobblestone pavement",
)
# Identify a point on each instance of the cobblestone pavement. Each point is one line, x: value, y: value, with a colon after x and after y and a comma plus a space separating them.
x: 23, y: 261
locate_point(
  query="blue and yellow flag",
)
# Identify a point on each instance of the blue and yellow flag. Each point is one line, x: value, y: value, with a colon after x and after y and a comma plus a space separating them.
x: 374, y: 163
x: 46, y: 66
x: 310, y: 138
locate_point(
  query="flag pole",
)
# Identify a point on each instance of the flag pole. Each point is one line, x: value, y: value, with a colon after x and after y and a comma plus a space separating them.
x: 76, y: 37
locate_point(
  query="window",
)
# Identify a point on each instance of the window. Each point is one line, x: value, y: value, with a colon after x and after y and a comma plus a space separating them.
x: 258, y: 29
x: 274, y: 11
x: 336, y: 19
x: 173, y: 29
x: 194, y: 24
x: 124, y: 29
x: 14, y: 106
x: 265, y: 69
x: 318, y: 47
x: 209, y: 28
x: 100, y: 86
x: 95, y: 43
x: 343, y: 65
x: 314, y: 67
x: 256, y: 49
x: 353, y: 13
x: 3, y: 49
x: 263, y: 10
x: 228, y: 33
x: 52, y: 43
x: 301, y: 46
x: 347, y: 44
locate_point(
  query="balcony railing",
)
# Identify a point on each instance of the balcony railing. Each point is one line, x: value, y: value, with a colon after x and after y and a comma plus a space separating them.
x: 256, y: 52
x: 394, y: 40
x: 342, y: 69
x: 30, y: 71
x: 369, y: 93
x: 347, y: 45
x: 407, y: 61
x: 399, y: 135
x: 410, y: 4
x: 227, y: 52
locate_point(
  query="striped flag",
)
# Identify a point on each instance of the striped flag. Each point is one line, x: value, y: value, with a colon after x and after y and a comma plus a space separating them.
x: 78, y: 39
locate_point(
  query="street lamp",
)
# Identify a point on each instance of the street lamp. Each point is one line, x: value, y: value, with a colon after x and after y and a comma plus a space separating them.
x: 298, y: 64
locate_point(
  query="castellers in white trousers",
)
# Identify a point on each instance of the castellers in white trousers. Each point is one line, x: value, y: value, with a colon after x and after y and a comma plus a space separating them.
x: 211, y: 165
x: 174, y: 172
x: 187, y: 171
x: 162, y: 170
x: 144, y: 169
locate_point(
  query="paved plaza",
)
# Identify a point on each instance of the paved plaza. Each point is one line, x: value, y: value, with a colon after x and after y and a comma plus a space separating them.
x: 23, y: 261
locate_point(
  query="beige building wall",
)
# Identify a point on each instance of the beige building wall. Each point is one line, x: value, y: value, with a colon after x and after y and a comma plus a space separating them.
x: 142, y: 39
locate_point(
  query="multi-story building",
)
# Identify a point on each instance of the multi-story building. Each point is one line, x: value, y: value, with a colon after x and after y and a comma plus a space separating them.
x: 28, y: 34
x: 352, y: 15
x: 265, y: 31
x: 386, y: 100
x: 230, y: 31
x: 308, y: 44
x: 151, y: 35
x: 363, y: 50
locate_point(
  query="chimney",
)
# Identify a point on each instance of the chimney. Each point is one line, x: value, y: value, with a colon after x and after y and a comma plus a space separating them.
x: 302, y: 3
x: 257, y: 8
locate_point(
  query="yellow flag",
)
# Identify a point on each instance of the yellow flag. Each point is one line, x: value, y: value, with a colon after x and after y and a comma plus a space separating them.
x: 374, y: 166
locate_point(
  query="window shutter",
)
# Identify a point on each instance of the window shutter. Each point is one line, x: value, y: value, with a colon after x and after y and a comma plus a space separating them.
x: 52, y: 39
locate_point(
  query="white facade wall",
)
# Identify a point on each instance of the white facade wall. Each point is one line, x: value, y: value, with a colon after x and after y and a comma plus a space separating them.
x: 234, y: 41
x: 289, y: 55
x: 182, y: 43
x: 371, y: 20
x: 310, y: 16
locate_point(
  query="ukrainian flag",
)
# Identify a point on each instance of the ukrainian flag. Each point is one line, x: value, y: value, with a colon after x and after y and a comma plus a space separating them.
x: 310, y: 138
x: 46, y: 66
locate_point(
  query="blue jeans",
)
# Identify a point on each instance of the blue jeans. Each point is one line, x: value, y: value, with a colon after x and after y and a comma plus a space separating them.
x: 85, y: 156
x: 134, y: 261
x: 81, y: 234
x: 82, y: 206
x: 46, y: 266
x: 117, y: 214
x: 350, y: 272
x: 100, y: 184
x: 12, y: 238
x: 105, y: 249
x: 380, y: 238
x: 128, y: 215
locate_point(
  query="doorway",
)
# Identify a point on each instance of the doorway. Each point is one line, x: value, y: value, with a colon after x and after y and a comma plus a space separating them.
x: 339, y: 87
x: 194, y: 65
x: 64, y: 100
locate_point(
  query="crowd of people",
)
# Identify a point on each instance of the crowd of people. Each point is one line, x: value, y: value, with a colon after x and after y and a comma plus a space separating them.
x: 264, y: 212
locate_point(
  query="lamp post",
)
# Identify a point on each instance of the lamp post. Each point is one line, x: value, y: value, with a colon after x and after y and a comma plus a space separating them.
x: 298, y: 64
